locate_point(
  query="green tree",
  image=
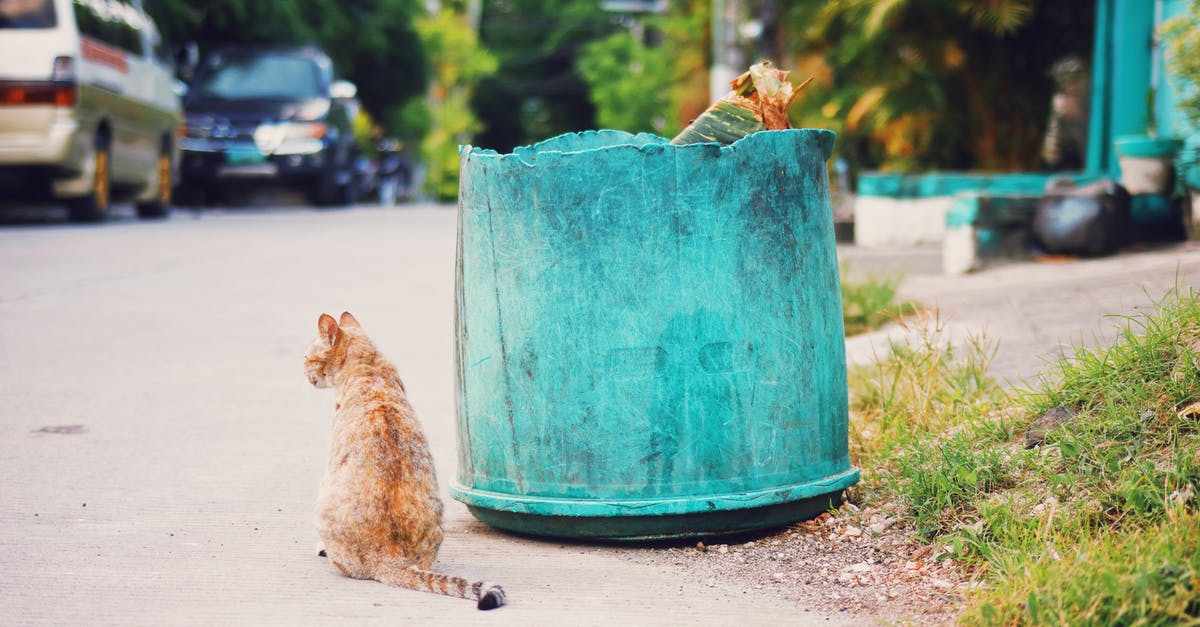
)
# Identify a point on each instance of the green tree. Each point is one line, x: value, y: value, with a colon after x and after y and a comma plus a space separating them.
x: 629, y: 83
x: 658, y: 88
x: 1182, y: 36
x: 214, y: 22
x: 536, y: 92
x: 459, y: 63
x: 373, y: 43
x: 913, y: 84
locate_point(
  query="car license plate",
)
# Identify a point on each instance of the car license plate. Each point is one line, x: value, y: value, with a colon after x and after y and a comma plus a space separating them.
x: 244, y: 155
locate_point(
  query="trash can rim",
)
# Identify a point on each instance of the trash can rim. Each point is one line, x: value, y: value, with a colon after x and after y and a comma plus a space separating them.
x: 641, y: 142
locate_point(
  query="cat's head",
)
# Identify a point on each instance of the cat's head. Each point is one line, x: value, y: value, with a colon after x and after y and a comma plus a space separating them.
x: 330, y: 351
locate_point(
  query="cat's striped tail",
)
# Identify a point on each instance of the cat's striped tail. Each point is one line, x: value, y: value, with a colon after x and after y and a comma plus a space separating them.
x: 487, y: 595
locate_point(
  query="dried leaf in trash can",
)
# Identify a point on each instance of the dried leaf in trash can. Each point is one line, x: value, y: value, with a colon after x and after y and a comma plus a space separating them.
x: 758, y: 101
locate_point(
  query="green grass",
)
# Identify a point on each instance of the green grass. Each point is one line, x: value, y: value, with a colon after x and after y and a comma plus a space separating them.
x: 869, y: 302
x: 1098, y: 525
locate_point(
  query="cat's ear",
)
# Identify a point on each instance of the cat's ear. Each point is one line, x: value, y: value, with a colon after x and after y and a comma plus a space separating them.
x: 348, y: 320
x: 328, y: 328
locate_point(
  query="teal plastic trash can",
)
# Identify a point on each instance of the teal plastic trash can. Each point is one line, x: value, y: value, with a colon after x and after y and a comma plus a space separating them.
x: 649, y: 338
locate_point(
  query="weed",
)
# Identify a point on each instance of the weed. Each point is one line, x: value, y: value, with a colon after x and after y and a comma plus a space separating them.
x: 1096, y: 526
x: 870, y: 302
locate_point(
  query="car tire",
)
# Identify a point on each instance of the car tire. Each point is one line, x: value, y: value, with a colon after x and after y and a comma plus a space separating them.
x: 329, y: 194
x: 95, y: 206
x: 161, y: 205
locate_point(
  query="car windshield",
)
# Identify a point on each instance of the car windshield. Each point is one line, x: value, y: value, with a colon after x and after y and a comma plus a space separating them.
x: 27, y: 14
x: 258, y: 77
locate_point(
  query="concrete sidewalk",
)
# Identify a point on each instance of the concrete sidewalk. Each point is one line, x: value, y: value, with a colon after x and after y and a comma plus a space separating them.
x: 1032, y: 311
x: 161, y: 448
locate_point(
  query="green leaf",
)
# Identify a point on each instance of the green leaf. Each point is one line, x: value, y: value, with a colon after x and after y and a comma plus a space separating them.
x: 723, y: 123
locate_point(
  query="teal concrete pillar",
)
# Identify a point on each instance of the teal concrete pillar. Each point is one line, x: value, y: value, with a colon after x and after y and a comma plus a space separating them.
x: 1099, y: 136
x: 1121, y: 74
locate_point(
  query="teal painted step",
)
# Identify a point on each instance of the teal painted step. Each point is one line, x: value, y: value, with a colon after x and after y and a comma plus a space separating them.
x: 649, y: 338
x: 934, y: 184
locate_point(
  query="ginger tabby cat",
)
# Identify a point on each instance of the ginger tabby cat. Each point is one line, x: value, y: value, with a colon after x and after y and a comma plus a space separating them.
x: 378, y: 510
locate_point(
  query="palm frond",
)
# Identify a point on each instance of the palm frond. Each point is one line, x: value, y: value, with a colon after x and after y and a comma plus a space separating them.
x: 999, y: 17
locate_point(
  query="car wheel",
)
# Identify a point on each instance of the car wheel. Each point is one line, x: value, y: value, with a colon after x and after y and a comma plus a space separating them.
x: 161, y: 205
x: 329, y: 194
x: 349, y: 191
x: 94, y: 207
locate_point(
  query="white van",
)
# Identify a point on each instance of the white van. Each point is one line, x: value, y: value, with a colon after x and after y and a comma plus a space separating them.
x: 88, y: 112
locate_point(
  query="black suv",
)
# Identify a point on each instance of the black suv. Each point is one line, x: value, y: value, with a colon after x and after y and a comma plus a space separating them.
x: 261, y: 115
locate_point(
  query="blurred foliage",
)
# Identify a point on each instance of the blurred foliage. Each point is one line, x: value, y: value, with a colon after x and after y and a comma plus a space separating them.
x: 919, y: 84
x: 366, y: 134
x: 536, y: 92
x: 630, y: 83
x: 459, y: 63
x: 373, y: 43
x: 1182, y: 37
x: 907, y: 84
x: 656, y: 87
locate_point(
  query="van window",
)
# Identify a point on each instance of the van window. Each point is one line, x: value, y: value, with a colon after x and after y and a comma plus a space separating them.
x: 27, y: 14
x: 113, y: 22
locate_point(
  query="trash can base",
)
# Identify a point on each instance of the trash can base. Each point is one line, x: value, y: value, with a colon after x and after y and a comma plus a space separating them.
x: 635, y: 528
x: 680, y: 517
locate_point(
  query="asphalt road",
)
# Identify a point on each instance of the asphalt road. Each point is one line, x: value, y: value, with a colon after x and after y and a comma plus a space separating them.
x: 160, y: 448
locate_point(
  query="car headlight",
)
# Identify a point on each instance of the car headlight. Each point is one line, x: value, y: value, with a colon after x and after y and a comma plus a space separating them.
x: 290, y: 137
x: 304, y: 130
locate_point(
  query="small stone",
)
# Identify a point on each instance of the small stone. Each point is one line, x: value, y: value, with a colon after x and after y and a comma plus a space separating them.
x: 723, y: 549
x: 861, y: 567
x: 1051, y: 420
x: 852, y: 531
x: 777, y: 576
x: 1182, y: 496
x: 749, y: 545
x: 700, y: 547
x: 940, y: 583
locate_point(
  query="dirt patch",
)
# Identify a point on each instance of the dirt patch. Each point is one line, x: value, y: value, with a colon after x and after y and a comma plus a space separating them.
x: 854, y: 563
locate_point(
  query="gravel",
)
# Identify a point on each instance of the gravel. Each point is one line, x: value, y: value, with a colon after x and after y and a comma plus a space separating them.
x: 855, y: 563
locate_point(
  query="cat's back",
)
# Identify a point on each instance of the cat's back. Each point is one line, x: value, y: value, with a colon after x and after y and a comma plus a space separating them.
x: 380, y: 486
x: 376, y: 428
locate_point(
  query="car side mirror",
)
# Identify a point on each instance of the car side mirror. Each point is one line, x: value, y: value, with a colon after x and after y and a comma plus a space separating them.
x: 342, y: 90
